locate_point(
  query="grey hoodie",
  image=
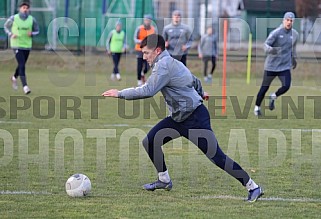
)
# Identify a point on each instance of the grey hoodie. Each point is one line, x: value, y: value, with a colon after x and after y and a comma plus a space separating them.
x: 177, y: 36
x: 208, y: 45
x: 182, y: 91
x: 280, y: 47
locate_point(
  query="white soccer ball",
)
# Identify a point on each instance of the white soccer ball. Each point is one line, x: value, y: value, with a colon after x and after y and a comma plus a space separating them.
x: 78, y: 185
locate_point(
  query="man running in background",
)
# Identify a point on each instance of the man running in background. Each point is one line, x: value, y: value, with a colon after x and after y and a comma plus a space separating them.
x: 21, y: 28
x: 280, y: 47
x: 178, y: 37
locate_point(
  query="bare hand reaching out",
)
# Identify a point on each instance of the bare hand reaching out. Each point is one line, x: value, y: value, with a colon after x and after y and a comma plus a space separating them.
x: 110, y: 93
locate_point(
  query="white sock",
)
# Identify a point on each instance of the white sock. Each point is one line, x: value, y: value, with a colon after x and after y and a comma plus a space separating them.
x: 257, y: 108
x: 164, y: 176
x: 273, y: 96
x: 250, y: 185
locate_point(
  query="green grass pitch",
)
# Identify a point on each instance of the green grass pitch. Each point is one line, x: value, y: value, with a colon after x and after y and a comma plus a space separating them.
x: 43, y: 141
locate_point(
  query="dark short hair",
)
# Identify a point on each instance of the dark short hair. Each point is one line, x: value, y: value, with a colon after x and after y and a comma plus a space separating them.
x: 153, y: 41
x: 24, y: 4
x: 177, y: 12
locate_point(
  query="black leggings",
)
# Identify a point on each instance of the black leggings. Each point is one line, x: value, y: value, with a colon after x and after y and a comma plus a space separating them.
x: 197, y: 129
x: 141, y: 63
x: 22, y: 58
x: 285, y: 78
x: 206, y: 60
x: 116, y: 60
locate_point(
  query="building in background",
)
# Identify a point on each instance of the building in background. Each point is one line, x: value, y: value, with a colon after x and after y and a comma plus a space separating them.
x: 310, y: 21
x: 4, y: 14
x: 259, y: 14
x: 74, y: 24
x: 189, y: 8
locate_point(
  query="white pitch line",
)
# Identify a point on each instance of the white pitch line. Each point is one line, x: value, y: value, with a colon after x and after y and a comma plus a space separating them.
x: 303, y: 130
x: 126, y: 125
x: 7, y: 192
x: 150, y: 126
x: 116, y: 125
x: 15, y: 122
x: 227, y: 197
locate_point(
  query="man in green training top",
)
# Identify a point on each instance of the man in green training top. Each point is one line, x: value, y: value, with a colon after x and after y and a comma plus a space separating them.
x: 116, y: 46
x: 21, y: 28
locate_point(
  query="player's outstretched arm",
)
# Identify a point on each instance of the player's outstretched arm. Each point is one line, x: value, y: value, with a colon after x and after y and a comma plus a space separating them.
x: 111, y: 93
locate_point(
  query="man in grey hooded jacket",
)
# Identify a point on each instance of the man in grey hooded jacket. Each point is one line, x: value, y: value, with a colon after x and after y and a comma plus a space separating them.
x: 178, y: 37
x: 280, y: 47
x: 189, y: 118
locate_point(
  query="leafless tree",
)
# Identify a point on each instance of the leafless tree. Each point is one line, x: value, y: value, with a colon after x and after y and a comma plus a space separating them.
x: 309, y: 11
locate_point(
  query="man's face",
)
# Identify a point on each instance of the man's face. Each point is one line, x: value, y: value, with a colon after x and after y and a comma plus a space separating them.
x: 24, y: 9
x: 176, y: 18
x: 287, y: 23
x: 209, y: 31
x: 147, y: 22
x: 150, y: 54
x: 118, y: 27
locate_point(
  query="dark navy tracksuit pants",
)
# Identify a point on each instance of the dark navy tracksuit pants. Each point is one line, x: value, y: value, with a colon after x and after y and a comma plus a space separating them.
x: 196, y: 128
x: 285, y: 78
x: 141, y: 64
x: 206, y: 59
x: 116, y: 59
x: 22, y: 58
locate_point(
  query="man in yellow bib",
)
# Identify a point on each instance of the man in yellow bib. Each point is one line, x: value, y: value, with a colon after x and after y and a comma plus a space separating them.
x: 116, y: 46
x: 21, y: 28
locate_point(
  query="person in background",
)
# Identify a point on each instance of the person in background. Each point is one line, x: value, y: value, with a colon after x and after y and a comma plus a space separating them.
x: 178, y: 38
x: 116, y: 46
x: 21, y: 28
x: 280, y: 47
x: 141, y: 32
x: 207, y: 51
